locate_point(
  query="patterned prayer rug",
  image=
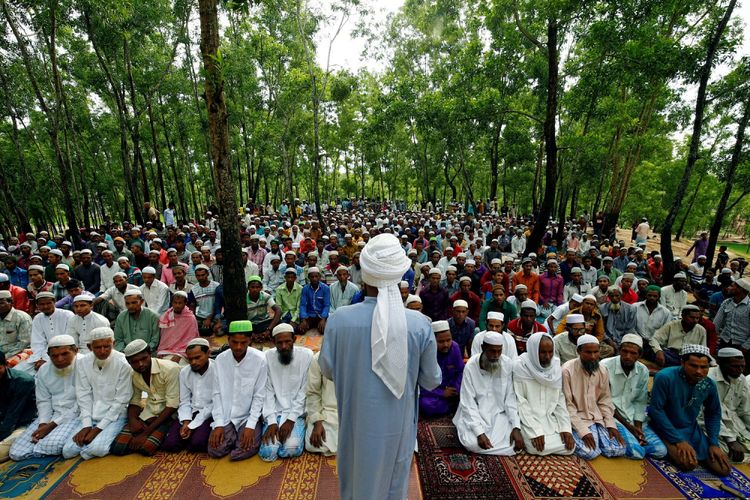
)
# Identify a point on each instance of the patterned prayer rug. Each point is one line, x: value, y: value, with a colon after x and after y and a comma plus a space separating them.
x: 702, y: 484
x: 555, y: 477
x: 29, y: 478
x: 448, y: 471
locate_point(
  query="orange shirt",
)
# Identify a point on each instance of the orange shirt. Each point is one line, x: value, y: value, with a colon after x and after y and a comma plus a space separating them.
x: 531, y: 282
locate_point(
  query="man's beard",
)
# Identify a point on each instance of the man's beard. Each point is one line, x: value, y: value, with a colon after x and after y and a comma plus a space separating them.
x: 614, y: 307
x: 590, y: 366
x: 101, y: 363
x: 489, y: 366
x: 285, y: 358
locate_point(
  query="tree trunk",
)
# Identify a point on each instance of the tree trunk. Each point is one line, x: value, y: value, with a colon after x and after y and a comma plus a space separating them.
x: 494, y: 163
x: 550, y: 140
x: 157, y: 156
x: 721, y: 209
x: 173, y: 165
x: 537, y: 178
x: 689, y: 208
x: 135, y: 133
x: 700, y: 104
x: 234, y: 276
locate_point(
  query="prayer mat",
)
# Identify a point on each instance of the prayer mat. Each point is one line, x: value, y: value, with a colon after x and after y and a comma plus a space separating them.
x: 555, y: 476
x: 702, y: 484
x: 31, y: 478
x: 448, y: 471
x: 628, y: 479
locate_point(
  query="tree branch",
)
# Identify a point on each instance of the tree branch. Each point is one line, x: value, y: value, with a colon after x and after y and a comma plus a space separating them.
x: 539, y: 45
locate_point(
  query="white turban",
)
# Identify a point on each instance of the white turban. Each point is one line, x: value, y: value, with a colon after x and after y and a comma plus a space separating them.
x: 383, y: 264
x: 528, y: 366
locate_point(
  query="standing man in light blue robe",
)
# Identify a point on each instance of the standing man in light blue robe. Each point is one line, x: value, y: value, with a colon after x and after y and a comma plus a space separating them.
x: 377, y: 353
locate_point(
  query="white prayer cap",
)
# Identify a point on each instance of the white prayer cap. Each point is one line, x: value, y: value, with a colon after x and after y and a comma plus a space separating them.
x: 507, y: 259
x: 551, y: 261
x: 690, y: 307
x: 333, y: 252
x: 313, y: 270
x: 461, y: 254
x: 122, y: 258
x: 383, y: 264
x: 133, y: 291
x: 102, y: 332
x: 403, y: 284
x: 632, y: 338
x: 586, y: 339
x: 86, y: 251
x: 341, y: 268
x: 155, y: 252
x: 571, y: 250
x: 521, y: 286
x: 589, y: 297
x: 148, y: 270
x: 528, y: 304
x: 495, y: 261
x: 135, y: 347
x: 56, y: 251
x: 680, y: 275
x: 576, y: 270
x: 628, y: 276
x: 743, y: 283
x: 435, y: 270
x: 577, y: 298
x: 440, y: 326
x: 275, y: 257
x: 495, y: 315
x: 701, y: 257
x: 61, y: 341
x: 493, y: 338
x: 202, y: 266
x: 427, y: 264
x: 198, y: 341
x: 614, y: 288
x: 451, y: 268
x: 106, y: 252
x: 465, y: 278
x: 575, y: 318
x: 45, y: 295
x: 412, y: 252
x: 180, y: 293
x: 81, y: 298
x: 64, y: 267
x: 5, y: 294
x: 205, y: 248
x: 729, y: 352
x: 532, y: 254
x: 470, y: 262
x: 66, y: 242
x: 460, y: 303
x: 412, y: 298
x: 282, y: 328
x: 120, y: 274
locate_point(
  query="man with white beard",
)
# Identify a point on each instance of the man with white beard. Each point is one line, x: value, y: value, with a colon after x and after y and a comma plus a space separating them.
x: 284, y: 406
x: 103, y: 390
x: 537, y: 380
x: 487, y: 419
x: 55, y: 401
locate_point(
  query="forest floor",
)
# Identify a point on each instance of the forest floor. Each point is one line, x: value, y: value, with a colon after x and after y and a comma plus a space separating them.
x: 679, y: 248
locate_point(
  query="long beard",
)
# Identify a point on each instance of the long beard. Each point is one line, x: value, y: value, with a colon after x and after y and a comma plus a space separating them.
x: 101, y: 363
x: 285, y: 358
x: 64, y: 372
x: 590, y: 366
x: 614, y: 307
x: 489, y: 366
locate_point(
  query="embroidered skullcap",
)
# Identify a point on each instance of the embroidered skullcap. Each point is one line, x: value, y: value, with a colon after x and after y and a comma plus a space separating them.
x: 700, y: 350
x: 81, y: 298
x: 148, y: 270
x: 495, y: 315
x: 241, y: 326
x: 133, y: 292
x: 493, y: 338
x: 729, y: 352
x: 45, y: 295
x: 440, y: 326
x: 632, y: 338
x: 282, y: 328
x: 586, y: 339
x: 198, y: 341
x: 61, y: 341
x: 135, y: 347
x: 64, y: 267
x: 102, y: 332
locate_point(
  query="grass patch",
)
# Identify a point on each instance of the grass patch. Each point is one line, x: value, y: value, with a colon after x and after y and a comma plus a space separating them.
x: 738, y: 248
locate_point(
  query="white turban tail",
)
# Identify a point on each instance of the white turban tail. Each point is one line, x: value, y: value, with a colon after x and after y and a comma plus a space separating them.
x: 383, y: 264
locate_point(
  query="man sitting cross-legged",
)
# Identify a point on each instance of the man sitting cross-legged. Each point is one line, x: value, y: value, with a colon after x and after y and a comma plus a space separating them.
x: 537, y: 379
x: 628, y: 383
x: 586, y: 387
x: 284, y: 406
x: 678, y: 395
x: 148, y: 425
x: 193, y: 424
x: 487, y: 417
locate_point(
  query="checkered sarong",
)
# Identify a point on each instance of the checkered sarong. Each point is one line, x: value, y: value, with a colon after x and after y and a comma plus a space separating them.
x: 121, y: 444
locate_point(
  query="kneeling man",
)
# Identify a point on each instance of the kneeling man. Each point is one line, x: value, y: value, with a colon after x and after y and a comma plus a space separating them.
x: 487, y: 417
x: 284, y: 406
x: 537, y: 379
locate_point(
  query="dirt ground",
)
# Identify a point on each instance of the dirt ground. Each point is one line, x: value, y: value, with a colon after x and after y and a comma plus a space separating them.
x: 679, y: 248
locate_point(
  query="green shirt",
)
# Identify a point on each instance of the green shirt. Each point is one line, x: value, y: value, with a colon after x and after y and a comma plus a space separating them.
x: 289, y: 301
x: 258, y: 310
x: 146, y: 327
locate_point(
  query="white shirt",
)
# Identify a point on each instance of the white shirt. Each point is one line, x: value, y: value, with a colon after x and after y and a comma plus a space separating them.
x: 116, y: 297
x: 589, y: 275
x: 673, y: 301
x: 647, y: 323
x: 156, y: 296
x: 80, y: 328
x: 735, y: 405
x: 107, y: 275
x: 239, y: 389
x: 340, y: 298
x: 196, y: 395
x: 541, y: 409
x: 285, y: 385
x: 56, y: 394
x: 444, y: 262
x: 103, y: 394
x: 518, y: 244
x: 509, y: 347
x: 43, y: 328
x: 251, y: 269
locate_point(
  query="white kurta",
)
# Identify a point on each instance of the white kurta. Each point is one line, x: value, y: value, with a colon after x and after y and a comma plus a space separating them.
x: 107, y: 275
x: 509, y: 345
x: 543, y: 412
x: 196, y: 395
x: 487, y: 406
x: 239, y: 389
x: 285, y: 385
x: 341, y: 298
x: 103, y: 395
x: 56, y: 394
x: 80, y: 328
x: 673, y: 300
x: 320, y: 404
x: 156, y: 296
x: 43, y: 328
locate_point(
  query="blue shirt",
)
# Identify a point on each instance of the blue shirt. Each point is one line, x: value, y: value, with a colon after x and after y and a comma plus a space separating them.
x: 675, y: 406
x: 409, y: 278
x: 462, y: 334
x: 18, y: 276
x: 315, y: 303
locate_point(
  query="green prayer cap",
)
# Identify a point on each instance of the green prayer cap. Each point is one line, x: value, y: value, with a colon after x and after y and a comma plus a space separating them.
x: 254, y: 277
x: 433, y: 238
x: 242, y: 326
x: 653, y: 288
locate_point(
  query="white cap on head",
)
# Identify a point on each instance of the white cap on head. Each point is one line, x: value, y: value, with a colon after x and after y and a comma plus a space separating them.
x: 493, y: 338
x: 135, y: 347
x: 198, y: 341
x: 680, y: 275
x: 743, y: 283
x: 403, y: 284
x: 729, y: 352
x: 81, y: 298
x: 435, y: 270
x: 586, y: 339
x: 64, y: 267
x: 49, y: 295
x: 440, y: 326
x: 148, y: 270
x: 282, y: 328
x: 521, y: 286
x: 577, y: 298
x: 495, y: 315
x: 313, y: 270
x: 528, y: 304
x: 575, y: 318
x: 133, y: 291
x: 632, y: 338
x: 102, y: 332
x: 412, y: 298
x: 460, y: 303
x: 61, y: 341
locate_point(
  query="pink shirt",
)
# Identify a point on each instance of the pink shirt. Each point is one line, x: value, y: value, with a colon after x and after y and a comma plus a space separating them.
x: 587, y: 396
